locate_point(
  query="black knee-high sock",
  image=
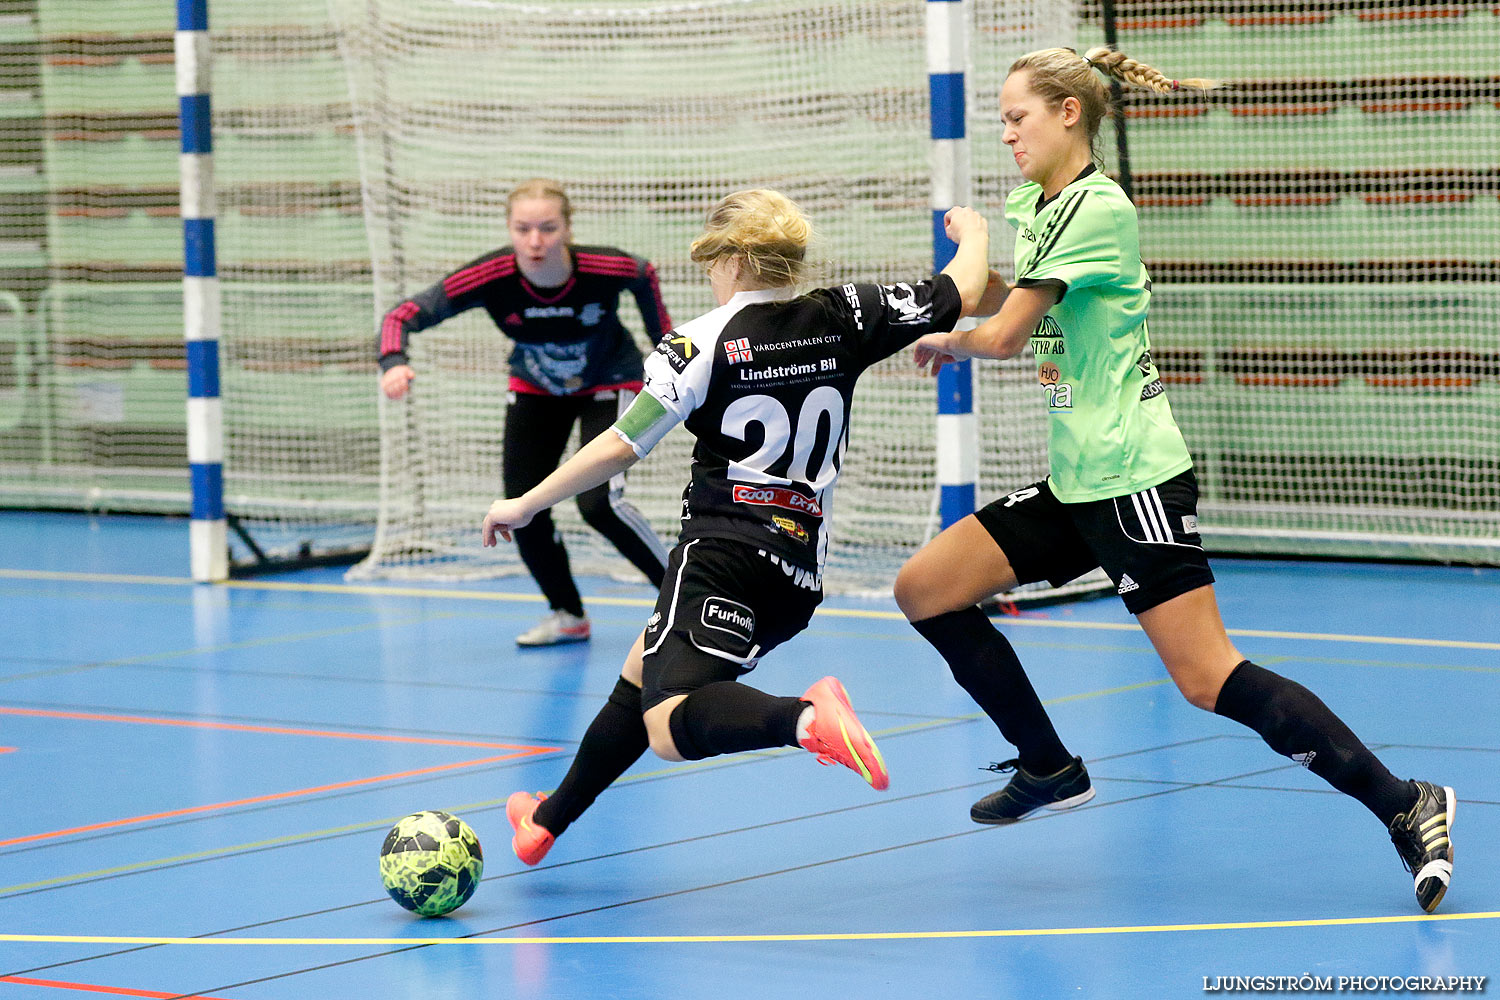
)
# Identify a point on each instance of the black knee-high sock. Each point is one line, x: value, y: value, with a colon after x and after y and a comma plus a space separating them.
x: 985, y: 665
x: 728, y: 717
x: 614, y: 740
x: 1295, y: 723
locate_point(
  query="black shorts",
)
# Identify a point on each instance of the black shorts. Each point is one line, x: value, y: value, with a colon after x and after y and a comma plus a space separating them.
x: 723, y: 605
x: 1147, y: 542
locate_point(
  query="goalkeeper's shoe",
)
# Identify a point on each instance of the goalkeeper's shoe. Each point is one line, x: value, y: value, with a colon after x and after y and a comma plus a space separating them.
x: 1029, y: 792
x: 1421, y: 835
x: 837, y: 737
x: 531, y: 842
x: 556, y: 629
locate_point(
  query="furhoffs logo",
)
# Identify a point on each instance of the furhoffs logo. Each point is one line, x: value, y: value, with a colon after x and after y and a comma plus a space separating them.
x: 729, y: 616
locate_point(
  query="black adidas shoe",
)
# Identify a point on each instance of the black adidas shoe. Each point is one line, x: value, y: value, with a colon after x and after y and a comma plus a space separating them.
x: 1027, y: 793
x: 1421, y: 838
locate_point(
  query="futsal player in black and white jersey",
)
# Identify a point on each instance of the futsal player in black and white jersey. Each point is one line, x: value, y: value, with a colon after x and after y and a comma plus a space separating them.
x: 571, y: 361
x: 765, y: 383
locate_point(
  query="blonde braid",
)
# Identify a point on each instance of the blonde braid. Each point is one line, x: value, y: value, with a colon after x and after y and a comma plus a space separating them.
x: 1121, y: 67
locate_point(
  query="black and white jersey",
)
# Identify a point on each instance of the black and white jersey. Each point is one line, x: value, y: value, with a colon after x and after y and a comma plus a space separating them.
x: 765, y: 383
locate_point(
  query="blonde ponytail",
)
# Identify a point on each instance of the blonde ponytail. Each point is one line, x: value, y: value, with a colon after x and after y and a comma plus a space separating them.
x: 1119, y: 66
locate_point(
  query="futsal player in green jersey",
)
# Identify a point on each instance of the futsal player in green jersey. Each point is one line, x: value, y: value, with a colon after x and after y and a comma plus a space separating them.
x: 1121, y: 493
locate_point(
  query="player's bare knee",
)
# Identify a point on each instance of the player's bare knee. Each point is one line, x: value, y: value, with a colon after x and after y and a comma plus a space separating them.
x: 1201, y: 691
x: 661, y: 742
x: 913, y: 589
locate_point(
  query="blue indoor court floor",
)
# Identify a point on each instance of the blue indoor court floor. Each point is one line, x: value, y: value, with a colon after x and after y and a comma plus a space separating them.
x: 198, y: 779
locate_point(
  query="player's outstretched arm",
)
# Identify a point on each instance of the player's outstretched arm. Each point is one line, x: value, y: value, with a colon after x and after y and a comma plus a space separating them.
x: 595, y: 464
x: 1003, y: 335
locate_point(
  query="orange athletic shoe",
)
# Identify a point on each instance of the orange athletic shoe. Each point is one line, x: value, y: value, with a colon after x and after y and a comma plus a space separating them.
x: 531, y: 842
x: 836, y: 735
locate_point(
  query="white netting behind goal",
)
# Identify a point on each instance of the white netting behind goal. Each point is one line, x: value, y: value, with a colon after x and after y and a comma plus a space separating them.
x: 648, y: 113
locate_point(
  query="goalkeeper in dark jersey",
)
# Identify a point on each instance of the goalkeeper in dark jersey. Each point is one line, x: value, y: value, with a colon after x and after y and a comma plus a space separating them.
x: 572, y: 361
x: 765, y: 383
x: 1121, y: 493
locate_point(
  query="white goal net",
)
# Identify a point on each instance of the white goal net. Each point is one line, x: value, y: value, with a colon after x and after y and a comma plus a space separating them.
x: 648, y: 113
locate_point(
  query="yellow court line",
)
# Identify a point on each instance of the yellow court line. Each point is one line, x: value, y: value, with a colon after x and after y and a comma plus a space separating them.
x: 745, y: 938
x: 644, y: 602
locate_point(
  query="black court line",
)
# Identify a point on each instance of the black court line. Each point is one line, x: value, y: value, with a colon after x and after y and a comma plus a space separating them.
x: 1174, y: 788
x: 381, y: 682
x: 350, y: 728
x: 1462, y: 799
x: 694, y: 889
x: 1388, y: 745
x: 729, y: 762
x: 54, y: 661
x: 145, y: 659
x: 247, y: 810
x: 734, y: 761
x: 386, y: 952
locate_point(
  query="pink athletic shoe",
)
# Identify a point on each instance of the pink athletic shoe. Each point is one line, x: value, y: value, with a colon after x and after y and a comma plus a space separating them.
x: 531, y: 842
x: 836, y: 735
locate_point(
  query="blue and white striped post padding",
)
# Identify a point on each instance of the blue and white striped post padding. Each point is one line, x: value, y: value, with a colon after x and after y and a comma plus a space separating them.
x: 201, y: 297
x: 947, y: 59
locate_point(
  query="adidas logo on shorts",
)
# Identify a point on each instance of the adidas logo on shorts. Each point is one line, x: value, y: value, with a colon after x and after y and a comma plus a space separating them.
x: 1127, y: 585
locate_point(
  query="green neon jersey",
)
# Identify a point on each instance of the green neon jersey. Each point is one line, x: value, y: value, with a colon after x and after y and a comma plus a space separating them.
x: 1110, y: 430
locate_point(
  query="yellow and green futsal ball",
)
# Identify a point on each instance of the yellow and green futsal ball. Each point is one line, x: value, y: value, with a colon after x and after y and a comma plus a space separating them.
x: 431, y: 863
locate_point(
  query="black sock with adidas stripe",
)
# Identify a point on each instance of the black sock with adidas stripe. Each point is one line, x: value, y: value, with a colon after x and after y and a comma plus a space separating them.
x: 985, y: 665
x: 1295, y: 723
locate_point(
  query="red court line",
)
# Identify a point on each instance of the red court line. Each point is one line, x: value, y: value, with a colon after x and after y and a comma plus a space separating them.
x: 146, y: 720
x: 519, y: 750
x: 273, y: 797
x: 119, y: 991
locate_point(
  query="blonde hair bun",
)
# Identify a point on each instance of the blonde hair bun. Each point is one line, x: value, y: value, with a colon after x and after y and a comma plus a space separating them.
x: 765, y: 227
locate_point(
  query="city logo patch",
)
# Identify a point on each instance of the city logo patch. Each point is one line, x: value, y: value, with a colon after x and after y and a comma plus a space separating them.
x: 1190, y: 524
x: 789, y: 527
x: 729, y: 616
x: 737, y: 350
x: 1126, y: 585
x: 777, y: 496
